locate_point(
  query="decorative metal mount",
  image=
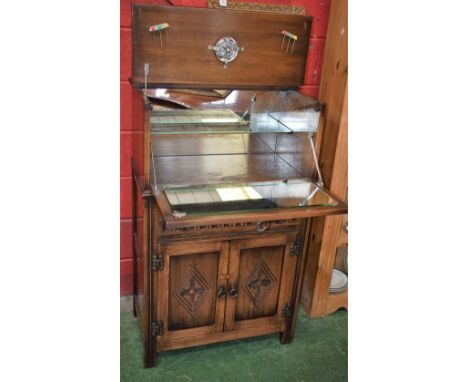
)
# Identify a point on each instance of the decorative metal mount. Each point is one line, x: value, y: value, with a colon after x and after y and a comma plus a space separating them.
x: 226, y: 50
x: 157, y: 262
x: 157, y: 328
x: 286, y: 310
x: 295, y: 247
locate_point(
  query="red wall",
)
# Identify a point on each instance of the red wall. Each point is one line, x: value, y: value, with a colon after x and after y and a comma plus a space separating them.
x: 318, y: 9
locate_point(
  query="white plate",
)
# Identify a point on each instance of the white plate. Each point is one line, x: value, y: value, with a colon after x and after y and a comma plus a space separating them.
x: 339, y: 281
x: 346, y: 262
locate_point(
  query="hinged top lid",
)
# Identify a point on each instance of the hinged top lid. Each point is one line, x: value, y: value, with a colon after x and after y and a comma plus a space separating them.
x: 218, y: 48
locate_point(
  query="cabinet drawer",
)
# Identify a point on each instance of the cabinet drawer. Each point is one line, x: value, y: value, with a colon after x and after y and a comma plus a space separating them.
x: 232, y: 228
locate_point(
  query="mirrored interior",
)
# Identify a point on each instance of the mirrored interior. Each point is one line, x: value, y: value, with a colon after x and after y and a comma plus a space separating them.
x: 238, y: 112
x: 246, y: 196
x: 245, y: 151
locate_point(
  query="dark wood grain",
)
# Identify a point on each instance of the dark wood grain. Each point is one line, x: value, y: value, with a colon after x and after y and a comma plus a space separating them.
x: 252, y: 261
x: 192, y: 290
x: 185, y: 60
x: 212, y: 338
x: 259, y: 266
x: 187, y: 268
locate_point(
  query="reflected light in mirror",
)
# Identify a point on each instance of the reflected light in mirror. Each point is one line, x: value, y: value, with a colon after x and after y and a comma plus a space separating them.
x: 162, y: 93
x: 229, y: 100
x: 228, y: 194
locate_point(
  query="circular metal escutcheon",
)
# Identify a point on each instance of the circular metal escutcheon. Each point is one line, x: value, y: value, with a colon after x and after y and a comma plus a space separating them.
x: 226, y: 49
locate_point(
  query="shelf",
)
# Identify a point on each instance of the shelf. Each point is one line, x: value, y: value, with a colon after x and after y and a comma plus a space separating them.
x: 195, y: 117
x: 274, y: 112
x: 177, y: 122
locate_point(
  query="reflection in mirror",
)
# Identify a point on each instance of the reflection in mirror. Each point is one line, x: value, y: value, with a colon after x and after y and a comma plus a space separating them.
x: 268, y: 111
x: 244, y: 197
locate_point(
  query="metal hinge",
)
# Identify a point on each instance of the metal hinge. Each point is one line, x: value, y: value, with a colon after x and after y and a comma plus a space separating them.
x: 157, y: 328
x: 295, y: 247
x: 286, y: 310
x: 157, y: 262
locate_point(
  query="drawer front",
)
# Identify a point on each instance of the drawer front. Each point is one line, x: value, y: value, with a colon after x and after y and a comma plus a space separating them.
x: 253, y: 227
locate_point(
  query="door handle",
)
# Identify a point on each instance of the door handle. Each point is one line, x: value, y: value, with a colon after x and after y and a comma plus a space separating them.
x: 233, y: 292
x: 261, y: 226
x: 221, y: 292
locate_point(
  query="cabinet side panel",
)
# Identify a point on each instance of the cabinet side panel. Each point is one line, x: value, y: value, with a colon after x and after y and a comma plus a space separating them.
x: 139, y: 239
x: 311, y: 266
x: 192, y: 288
x: 259, y: 282
x: 138, y: 138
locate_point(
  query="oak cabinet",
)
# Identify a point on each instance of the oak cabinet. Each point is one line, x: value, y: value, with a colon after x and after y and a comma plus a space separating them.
x: 226, y: 185
x: 234, y: 287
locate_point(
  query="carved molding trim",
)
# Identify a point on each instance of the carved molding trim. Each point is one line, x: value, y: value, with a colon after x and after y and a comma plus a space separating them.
x: 279, y: 8
x: 228, y: 227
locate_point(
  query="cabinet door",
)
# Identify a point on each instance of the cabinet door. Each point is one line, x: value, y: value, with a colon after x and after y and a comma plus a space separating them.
x: 187, y: 289
x: 261, y: 276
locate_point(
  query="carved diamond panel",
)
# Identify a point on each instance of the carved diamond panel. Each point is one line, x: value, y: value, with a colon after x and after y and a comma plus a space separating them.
x: 259, y: 283
x: 193, y: 291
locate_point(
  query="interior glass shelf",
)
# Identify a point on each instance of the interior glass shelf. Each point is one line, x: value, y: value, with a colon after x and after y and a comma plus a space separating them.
x: 213, y: 122
x: 242, y: 197
x: 228, y: 122
x: 196, y: 117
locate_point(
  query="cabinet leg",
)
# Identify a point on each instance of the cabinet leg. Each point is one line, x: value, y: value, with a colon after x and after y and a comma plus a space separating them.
x: 285, y: 338
x: 150, y: 360
x: 134, y: 306
x: 150, y: 355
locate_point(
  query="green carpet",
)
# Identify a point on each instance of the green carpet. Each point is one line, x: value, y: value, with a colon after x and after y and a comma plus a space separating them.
x: 319, y: 352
